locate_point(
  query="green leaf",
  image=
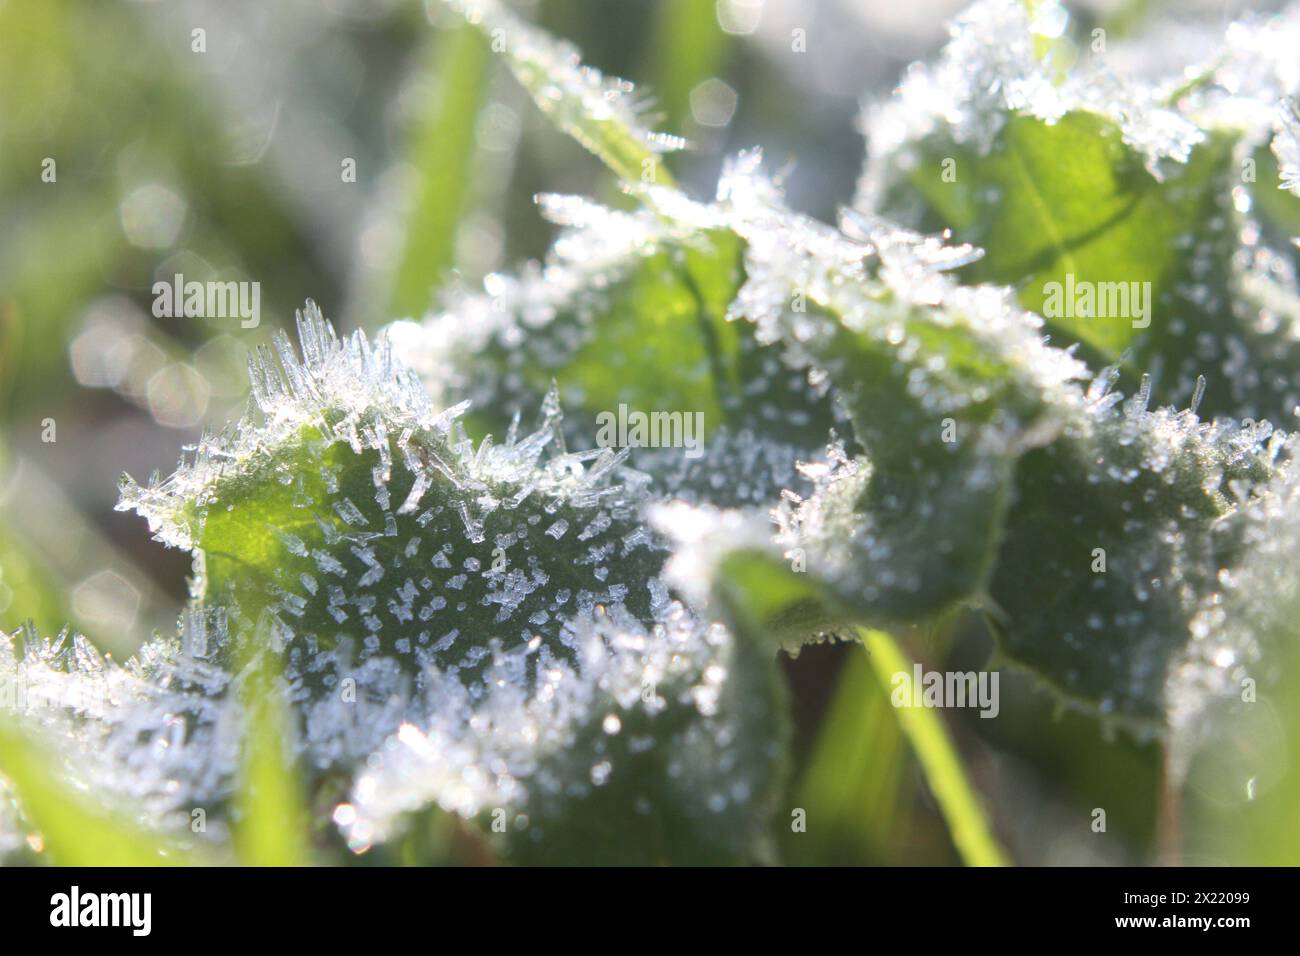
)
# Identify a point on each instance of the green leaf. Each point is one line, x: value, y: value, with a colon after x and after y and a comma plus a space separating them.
x: 1116, y: 534
x: 792, y: 608
x: 660, y: 334
x: 1099, y: 549
x: 493, y: 614
x: 631, y: 309
x: 916, y: 522
x: 366, y: 523
x: 1119, y: 220
x: 1070, y: 198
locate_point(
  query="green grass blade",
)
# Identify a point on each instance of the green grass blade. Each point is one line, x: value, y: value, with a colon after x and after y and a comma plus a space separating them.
x: 853, y: 788
x: 272, y: 827
x: 689, y: 48
x: 939, y: 760
x: 442, y: 150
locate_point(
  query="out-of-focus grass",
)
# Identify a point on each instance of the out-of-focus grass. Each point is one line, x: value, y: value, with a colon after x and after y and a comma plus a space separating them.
x: 72, y: 828
x: 272, y: 825
x: 943, y: 768
x: 441, y: 152
x: 687, y: 49
x: 857, y: 784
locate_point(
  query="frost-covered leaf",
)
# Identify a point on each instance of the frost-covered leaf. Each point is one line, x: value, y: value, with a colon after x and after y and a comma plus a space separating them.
x: 1236, y: 716
x: 494, y: 610
x: 372, y: 529
x: 109, y: 763
x: 1119, y: 208
x: 602, y: 113
x: 1117, y: 533
x: 944, y: 387
x: 986, y: 461
x: 73, y: 829
x: 630, y: 311
x: 660, y: 746
x: 825, y: 330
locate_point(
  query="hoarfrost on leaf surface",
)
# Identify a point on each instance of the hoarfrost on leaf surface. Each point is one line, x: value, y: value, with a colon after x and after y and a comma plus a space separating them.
x: 487, y: 602
x: 657, y: 745
x: 370, y: 527
x: 1137, y: 192
x: 631, y: 310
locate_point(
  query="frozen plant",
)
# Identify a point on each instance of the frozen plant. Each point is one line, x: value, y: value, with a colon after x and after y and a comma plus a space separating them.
x: 572, y: 652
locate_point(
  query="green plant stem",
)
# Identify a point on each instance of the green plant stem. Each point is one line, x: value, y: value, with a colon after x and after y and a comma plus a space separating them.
x: 939, y: 761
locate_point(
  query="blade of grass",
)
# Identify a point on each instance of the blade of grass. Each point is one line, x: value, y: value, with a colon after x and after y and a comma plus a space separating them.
x: 852, y: 788
x: 272, y: 820
x: 442, y: 151
x: 689, y: 48
x: 939, y: 760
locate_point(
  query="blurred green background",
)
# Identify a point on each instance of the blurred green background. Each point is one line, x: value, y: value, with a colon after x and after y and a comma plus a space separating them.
x: 225, y: 163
